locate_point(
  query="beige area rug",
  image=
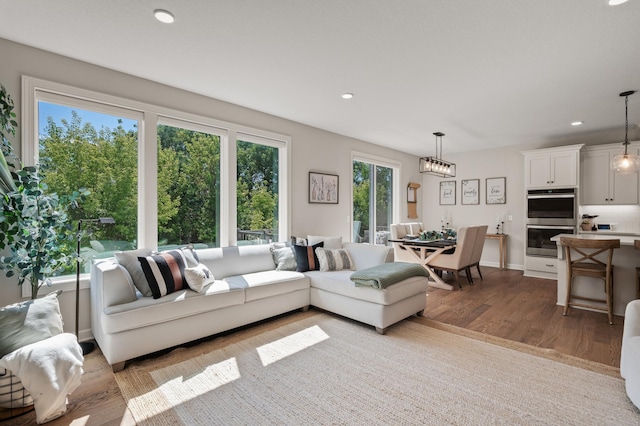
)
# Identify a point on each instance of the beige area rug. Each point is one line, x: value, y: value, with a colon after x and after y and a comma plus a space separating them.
x: 315, y: 368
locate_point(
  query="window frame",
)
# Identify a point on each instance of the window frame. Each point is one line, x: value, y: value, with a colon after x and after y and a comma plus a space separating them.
x: 396, y: 168
x: 149, y: 115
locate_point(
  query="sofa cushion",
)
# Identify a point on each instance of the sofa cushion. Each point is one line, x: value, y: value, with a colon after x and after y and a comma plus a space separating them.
x: 229, y: 261
x: 334, y: 260
x: 129, y: 259
x: 184, y: 303
x: 284, y: 258
x: 260, y: 285
x: 332, y: 243
x: 338, y: 282
x: 366, y: 255
x: 164, y: 272
x: 198, y: 277
x: 306, y: 257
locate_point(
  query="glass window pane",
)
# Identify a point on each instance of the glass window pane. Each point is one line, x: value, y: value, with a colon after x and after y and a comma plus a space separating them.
x: 361, y: 201
x: 188, y: 188
x: 384, y: 203
x: 79, y: 148
x: 372, y: 202
x: 257, y: 193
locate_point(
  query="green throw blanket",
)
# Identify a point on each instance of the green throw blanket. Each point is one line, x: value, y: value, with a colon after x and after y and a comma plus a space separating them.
x: 382, y: 276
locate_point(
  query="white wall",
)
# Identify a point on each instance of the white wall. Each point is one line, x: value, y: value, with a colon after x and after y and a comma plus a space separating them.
x: 504, y: 162
x: 312, y: 149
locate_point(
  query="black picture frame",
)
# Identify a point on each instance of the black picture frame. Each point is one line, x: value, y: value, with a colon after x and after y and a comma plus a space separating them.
x: 324, y: 188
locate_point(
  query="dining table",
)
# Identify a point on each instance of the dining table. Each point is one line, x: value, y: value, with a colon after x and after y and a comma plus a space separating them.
x: 424, y: 251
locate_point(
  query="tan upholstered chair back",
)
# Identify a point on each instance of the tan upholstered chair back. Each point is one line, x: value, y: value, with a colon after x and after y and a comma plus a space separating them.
x: 479, y: 244
x: 461, y: 257
x: 400, y: 230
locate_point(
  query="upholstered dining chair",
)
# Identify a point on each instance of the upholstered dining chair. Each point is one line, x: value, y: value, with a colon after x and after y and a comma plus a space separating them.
x: 399, y: 231
x: 478, y: 246
x: 460, y: 259
x: 587, y: 265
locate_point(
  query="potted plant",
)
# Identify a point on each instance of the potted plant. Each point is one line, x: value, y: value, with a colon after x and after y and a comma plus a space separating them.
x: 34, y: 225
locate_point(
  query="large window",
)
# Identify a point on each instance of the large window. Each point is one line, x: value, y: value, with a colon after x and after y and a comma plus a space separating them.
x: 257, y: 192
x: 375, y: 200
x: 81, y: 148
x: 188, y: 185
x: 168, y: 178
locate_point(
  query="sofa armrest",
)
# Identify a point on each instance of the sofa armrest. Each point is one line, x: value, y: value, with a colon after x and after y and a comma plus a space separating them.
x: 631, y: 329
x: 112, y: 283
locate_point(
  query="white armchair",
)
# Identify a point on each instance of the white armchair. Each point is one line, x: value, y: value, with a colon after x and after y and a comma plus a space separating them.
x: 630, y: 355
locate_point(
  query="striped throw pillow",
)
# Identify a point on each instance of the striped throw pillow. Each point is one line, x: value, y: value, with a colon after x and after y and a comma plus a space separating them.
x: 334, y: 260
x: 164, y: 272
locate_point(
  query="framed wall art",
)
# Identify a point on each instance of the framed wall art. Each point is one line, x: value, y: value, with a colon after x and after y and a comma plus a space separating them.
x: 323, y: 188
x: 448, y: 193
x: 496, y: 190
x: 470, y: 191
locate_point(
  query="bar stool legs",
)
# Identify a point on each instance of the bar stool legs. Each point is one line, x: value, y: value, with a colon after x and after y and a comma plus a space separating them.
x: 586, y: 264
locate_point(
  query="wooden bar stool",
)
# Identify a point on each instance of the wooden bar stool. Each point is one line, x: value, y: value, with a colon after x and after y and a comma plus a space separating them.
x: 636, y: 245
x: 588, y: 266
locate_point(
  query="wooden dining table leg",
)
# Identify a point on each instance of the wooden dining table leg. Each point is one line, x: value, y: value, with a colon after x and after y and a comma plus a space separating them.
x: 424, y: 255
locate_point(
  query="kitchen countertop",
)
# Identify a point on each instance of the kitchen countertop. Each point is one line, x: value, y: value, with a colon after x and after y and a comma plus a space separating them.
x: 625, y: 239
x: 606, y: 232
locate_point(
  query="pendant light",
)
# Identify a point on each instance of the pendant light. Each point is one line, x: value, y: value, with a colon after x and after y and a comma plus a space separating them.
x: 436, y: 165
x: 626, y: 163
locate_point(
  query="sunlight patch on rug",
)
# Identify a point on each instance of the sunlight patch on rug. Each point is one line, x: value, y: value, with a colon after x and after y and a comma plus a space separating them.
x: 179, y: 383
x: 296, y: 342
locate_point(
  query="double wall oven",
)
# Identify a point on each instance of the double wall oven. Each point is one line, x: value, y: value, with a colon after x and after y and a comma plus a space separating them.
x: 549, y: 212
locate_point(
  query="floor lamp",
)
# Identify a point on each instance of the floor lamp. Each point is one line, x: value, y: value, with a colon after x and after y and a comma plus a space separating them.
x: 87, y: 347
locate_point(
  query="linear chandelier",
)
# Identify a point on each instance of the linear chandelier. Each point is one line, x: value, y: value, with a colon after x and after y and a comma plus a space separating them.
x: 436, y: 165
x: 626, y: 163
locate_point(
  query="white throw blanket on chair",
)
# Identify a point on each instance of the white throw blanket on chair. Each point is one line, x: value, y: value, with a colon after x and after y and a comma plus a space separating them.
x: 49, y: 370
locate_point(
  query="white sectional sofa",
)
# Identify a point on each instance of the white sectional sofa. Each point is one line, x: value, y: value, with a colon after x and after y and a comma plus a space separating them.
x: 247, y: 288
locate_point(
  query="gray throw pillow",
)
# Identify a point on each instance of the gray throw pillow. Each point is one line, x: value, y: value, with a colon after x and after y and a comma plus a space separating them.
x: 284, y: 259
x: 29, y: 322
x: 129, y: 259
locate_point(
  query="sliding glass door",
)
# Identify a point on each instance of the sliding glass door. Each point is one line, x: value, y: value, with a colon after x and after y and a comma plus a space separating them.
x: 373, y: 201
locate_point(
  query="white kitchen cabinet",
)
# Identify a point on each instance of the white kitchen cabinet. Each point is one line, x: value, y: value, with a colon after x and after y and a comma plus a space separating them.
x: 599, y: 184
x: 553, y: 167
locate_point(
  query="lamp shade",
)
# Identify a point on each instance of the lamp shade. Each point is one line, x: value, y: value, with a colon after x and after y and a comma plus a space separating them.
x: 625, y: 163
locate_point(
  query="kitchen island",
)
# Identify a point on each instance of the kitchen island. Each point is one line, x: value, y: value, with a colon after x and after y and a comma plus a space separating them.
x: 625, y: 260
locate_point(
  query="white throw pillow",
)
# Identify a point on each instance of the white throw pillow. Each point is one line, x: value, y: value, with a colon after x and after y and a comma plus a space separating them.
x: 334, y: 260
x: 198, y: 277
x: 331, y: 243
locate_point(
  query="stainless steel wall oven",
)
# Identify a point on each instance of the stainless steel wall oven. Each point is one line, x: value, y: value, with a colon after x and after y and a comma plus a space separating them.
x: 549, y: 212
x: 552, y: 207
x: 539, y: 239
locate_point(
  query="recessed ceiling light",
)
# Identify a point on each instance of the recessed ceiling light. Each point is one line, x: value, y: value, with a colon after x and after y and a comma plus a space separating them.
x: 347, y: 95
x: 616, y: 2
x: 163, y: 16
x: 577, y: 123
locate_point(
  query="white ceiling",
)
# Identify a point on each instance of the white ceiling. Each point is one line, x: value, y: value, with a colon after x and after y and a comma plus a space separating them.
x: 487, y: 73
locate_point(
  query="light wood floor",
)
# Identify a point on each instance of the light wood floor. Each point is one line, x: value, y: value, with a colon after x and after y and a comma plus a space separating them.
x: 505, y: 304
